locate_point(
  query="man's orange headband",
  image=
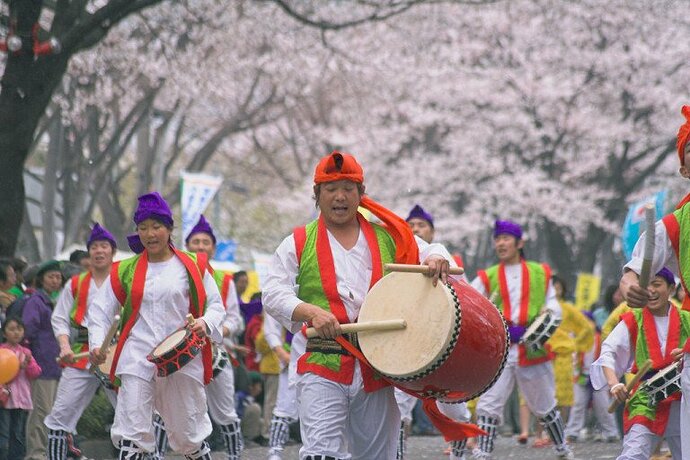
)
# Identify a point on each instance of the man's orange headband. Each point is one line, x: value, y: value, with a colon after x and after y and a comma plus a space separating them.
x: 683, y: 134
x: 338, y: 166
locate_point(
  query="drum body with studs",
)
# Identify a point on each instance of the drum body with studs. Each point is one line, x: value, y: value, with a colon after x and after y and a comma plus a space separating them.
x: 455, y: 342
x: 176, y: 350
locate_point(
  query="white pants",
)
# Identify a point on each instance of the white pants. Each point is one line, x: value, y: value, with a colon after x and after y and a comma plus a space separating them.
x: 600, y: 403
x: 639, y: 442
x: 286, y: 402
x: 685, y: 406
x: 220, y: 395
x: 344, y: 422
x: 536, y: 383
x: 458, y: 412
x: 74, y: 393
x: 179, y: 399
x: 406, y: 404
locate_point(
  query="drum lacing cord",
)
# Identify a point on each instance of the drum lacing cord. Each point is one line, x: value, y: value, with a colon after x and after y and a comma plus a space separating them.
x: 196, y: 340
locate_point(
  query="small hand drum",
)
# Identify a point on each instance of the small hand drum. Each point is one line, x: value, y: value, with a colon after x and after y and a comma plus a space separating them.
x: 663, y: 384
x: 176, y: 350
x: 541, y: 330
x: 220, y: 359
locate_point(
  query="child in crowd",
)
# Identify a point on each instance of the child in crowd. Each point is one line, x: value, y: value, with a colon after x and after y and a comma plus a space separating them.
x: 16, y: 404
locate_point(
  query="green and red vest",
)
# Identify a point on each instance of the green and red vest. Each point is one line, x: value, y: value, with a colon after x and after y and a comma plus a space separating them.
x: 127, y: 279
x: 317, y: 285
x: 80, y: 293
x: 222, y: 279
x: 644, y: 342
x: 535, y: 283
x: 680, y: 240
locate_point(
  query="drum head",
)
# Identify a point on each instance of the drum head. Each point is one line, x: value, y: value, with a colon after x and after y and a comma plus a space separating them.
x: 170, y: 342
x: 430, y: 313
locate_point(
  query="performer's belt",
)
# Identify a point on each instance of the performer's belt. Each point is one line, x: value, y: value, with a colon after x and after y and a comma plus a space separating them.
x: 80, y: 335
x: 319, y: 345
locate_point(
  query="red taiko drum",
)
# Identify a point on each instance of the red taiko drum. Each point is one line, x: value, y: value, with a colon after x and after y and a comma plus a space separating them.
x: 455, y: 342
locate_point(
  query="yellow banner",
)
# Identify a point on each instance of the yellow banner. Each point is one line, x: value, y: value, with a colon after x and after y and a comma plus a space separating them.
x: 587, y: 290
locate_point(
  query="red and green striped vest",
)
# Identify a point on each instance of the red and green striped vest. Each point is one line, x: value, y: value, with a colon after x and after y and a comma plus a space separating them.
x: 80, y: 293
x: 128, y: 277
x: 644, y: 341
x: 222, y: 279
x: 535, y: 283
x: 680, y: 240
x: 317, y: 285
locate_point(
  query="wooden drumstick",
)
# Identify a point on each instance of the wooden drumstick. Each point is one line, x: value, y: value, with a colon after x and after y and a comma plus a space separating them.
x: 108, y: 338
x: 424, y: 269
x: 650, y: 235
x: 384, y: 325
x: 75, y: 357
x: 636, y: 378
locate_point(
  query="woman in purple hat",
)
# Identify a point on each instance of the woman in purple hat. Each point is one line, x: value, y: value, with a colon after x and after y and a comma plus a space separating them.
x: 523, y: 290
x: 70, y: 324
x: 156, y: 289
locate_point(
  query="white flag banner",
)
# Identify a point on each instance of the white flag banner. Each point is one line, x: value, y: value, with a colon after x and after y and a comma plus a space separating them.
x: 197, y: 192
x: 262, y: 262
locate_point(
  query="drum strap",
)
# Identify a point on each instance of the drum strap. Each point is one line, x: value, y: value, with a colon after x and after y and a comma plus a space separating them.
x: 319, y: 345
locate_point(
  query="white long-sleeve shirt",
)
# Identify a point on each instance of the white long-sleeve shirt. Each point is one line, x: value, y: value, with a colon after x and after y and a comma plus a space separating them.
x: 664, y: 256
x: 60, y: 320
x: 514, y: 284
x: 164, y: 308
x: 353, y: 270
x: 616, y: 352
x: 273, y: 332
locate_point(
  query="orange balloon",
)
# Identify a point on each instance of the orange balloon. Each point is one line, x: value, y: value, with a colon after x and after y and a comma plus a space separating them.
x: 9, y: 365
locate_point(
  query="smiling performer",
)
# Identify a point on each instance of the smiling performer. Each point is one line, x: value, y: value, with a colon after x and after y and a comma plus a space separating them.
x: 524, y: 290
x: 654, y: 332
x: 671, y: 246
x: 158, y: 288
x: 320, y: 275
x: 70, y: 324
x: 221, y: 391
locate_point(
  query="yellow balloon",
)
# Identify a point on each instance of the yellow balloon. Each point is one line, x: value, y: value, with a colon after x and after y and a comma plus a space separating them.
x: 9, y: 365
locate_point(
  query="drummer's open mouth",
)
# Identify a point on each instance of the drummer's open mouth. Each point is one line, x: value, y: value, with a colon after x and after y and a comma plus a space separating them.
x: 654, y: 298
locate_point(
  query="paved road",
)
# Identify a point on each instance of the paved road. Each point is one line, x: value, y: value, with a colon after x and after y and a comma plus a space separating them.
x: 431, y: 448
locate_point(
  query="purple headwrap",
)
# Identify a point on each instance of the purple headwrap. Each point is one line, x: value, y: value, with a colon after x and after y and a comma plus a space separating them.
x: 419, y: 213
x: 506, y: 227
x: 201, y: 227
x: 667, y: 274
x: 153, y: 206
x: 99, y: 233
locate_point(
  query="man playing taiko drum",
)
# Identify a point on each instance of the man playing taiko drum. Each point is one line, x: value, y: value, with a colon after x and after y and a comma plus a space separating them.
x: 523, y: 289
x: 321, y: 275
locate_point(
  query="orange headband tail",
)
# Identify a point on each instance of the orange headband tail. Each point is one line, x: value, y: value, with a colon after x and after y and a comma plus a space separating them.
x: 683, y: 134
x: 406, y: 250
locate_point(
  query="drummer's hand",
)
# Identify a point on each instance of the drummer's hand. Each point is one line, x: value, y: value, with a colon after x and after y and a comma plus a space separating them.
x: 619, y: 392
x: 325, y: 323
x: 282, y: 355
x: 96, y: 357
x: 634, y: 295
x: 199, y: 326
x: 66, y: 355
x: 438, y: 269
x: 677, y: 354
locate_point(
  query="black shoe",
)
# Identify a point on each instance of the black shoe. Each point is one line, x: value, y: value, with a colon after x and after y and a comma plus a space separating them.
x: 260, y: 440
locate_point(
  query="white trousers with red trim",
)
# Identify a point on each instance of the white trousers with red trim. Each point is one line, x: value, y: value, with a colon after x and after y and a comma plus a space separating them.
x: 179, y: 399
x: 344, y: 422
x: 75, y: 391
x: 536, y: 384
x: 639, y: 443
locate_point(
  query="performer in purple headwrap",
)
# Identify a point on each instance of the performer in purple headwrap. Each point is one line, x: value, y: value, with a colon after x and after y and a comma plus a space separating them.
x: 70, y: 322
x: 156, y: 289
x: 523, y: 289
x: 654, y: 332
x: 220, y: 392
